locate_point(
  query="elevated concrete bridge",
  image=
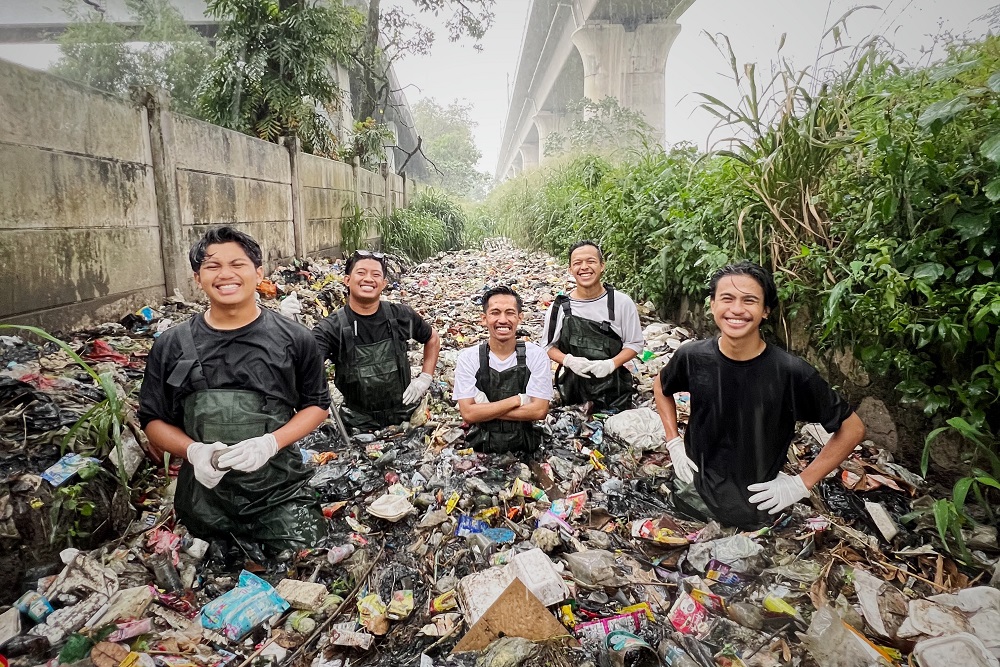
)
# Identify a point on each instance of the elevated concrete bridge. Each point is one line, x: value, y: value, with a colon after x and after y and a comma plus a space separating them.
x: 573, y: 49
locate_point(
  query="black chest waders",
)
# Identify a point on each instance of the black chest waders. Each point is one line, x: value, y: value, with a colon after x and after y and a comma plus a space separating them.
x: 585, y: 338
x: 498, y: 435
x: 372, y: 377
x: 274, y: 504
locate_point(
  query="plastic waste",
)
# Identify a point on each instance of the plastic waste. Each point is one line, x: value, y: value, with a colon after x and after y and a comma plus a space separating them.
x: 339, y: 553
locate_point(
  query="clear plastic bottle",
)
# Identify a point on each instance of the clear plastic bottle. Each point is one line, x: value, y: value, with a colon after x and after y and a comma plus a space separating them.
x: 337, y: 554
x: 166, y: 574
x: 674, y: 656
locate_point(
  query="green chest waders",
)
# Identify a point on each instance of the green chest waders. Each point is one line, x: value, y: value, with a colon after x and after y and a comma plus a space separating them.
x: 372, y: 377
x: 274, y: 504
x: 581, y: 337
x: 498, y: 435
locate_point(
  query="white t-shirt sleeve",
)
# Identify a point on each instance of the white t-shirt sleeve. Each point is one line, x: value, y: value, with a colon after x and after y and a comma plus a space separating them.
x: 540, y: 373
x: 466, y: 367
x: 553, y: 311
x: 631, y: 332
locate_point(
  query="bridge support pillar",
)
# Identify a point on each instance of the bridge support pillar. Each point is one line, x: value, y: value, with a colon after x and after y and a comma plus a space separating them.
x: 628, y: 65
x: 547, y: 123
x: 529, y: 156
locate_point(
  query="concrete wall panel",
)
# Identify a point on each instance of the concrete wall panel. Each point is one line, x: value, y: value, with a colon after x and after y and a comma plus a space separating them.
x: 201, y: 146
x: 320, y: 172
x: 217, y: 199
x: 61, y: 267
x: 48, y: 112
x: 46, y: 189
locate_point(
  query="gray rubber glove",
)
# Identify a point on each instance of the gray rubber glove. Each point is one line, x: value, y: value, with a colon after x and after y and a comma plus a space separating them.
x: 779, y: 493
x: 602, y: 368
x: 525, y: 399
x: 684, y: 467
x: 578, y: 365
x: 199, y: 455
x: 481, y: 398
x: 250, y: 454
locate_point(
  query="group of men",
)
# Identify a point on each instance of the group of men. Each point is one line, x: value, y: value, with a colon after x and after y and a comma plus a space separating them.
x: 232, y: 390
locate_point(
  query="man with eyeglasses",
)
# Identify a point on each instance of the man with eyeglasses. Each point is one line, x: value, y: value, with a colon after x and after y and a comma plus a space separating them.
x: 366, y: 340
x: 592, y: 332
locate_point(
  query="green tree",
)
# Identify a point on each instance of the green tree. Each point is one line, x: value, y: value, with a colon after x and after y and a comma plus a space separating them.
x: 448, y: 141
x: 270, y: 77
x: 601, y: 128
x: 394, y: 34
x: 163, y: 52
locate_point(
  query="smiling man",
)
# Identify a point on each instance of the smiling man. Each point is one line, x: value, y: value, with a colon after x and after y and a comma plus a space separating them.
x: 366, y: 341
x: 592, y: 332
x: 503, y: 385
x: 243, y: 382
x: 746, y: 397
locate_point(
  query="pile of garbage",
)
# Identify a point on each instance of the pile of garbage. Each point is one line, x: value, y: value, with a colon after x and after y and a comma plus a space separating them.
x: 439, y: 555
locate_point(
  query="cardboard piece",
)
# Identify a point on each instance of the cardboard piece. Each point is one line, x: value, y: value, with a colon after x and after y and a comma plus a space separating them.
x: 516, y: 613
x: 477, y: 592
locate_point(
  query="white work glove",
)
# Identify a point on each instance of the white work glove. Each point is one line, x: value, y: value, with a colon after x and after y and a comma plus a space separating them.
x: 250, y: 454
x: 684, y: 467
x: 418, y: 387
x: 602, y: 368
x: 481, y: 398
x: 199, y: 455
x: 779, y: 493
x: 525, y: 399
x: 578, y: 365
x: 290, y: 306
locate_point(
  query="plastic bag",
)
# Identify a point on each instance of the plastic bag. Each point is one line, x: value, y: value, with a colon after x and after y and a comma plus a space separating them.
x: 594, y: 568
x: 240, y: 610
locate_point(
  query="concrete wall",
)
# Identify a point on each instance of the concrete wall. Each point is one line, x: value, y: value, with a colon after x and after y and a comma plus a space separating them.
x: 100, y: 199
x: 78, y: 229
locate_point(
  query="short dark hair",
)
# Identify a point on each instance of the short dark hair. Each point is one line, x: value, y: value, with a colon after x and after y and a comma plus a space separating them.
x: 501, y: 290
x: 359, y: 255
x: 199, y: 251
x: 580, y: 244
x: 755, y: 271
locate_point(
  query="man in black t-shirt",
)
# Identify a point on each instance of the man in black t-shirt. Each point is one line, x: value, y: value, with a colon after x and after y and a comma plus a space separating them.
x: 231, y: 391
x: 746, y: 397
x: 366, y: 341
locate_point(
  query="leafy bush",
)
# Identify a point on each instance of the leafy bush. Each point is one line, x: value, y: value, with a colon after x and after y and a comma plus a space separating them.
x: 870, y: 193
x: 433, y: 222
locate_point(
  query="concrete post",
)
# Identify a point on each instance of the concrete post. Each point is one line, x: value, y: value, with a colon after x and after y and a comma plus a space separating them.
x: 293, y: 144
x: 173, y: 246
x: 629, y: 66
x: 356, y: 169
x: 390, y: 205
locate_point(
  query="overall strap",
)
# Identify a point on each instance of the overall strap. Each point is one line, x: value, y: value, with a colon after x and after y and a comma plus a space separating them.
x: 560, y: 302
x: 346, y: 333
x: 484, y: 365
x: 611, y: 301
x: 189, y: 365
x: 522, y: 355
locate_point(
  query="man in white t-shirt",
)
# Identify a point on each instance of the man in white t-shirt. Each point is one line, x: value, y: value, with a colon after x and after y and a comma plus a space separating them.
x: 592, y: 333
x: 503, y: 386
